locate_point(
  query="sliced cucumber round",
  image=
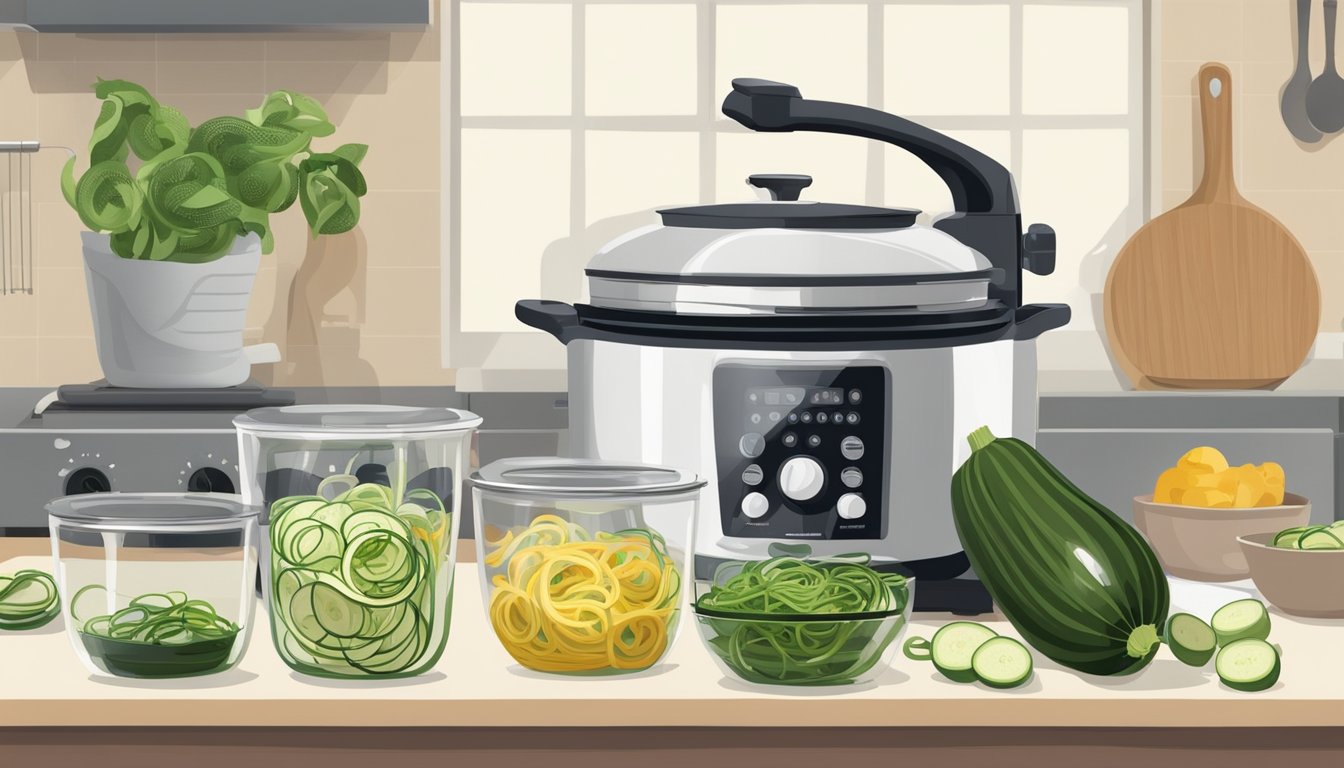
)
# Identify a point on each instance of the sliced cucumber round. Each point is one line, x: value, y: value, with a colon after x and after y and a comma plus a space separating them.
x: 1320, y: 538
x: 1239, y: 620
x: 1287, y: 538
x: 1001, y: 662
x: 1190, y: 639
x: 954, y: 646
x: 1249, y: 664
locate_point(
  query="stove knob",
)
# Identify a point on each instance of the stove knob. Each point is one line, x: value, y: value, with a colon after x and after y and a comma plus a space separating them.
x: 755, y: 505
x: 851, y: 506
x: 801, y: 478
x: 87, y: 480
x: 210, y: 480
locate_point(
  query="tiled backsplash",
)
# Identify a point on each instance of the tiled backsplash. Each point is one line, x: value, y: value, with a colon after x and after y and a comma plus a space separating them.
x: 358, y: 309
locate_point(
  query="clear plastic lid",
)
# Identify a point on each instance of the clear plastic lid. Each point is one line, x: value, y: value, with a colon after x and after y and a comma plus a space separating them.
x: 583, y: 478
x: 357, y: 420
x: 151, y: 509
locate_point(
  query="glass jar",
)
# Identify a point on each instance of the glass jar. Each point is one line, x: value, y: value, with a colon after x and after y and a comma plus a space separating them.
x: 362, y: 508
x: 582, y: 562
x: 155, y: 584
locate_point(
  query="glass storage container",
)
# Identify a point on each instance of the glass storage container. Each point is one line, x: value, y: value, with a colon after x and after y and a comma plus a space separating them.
x: 361, y: 512
x: 582, y: 561
x: 791, y: 618
x: 156, y: 584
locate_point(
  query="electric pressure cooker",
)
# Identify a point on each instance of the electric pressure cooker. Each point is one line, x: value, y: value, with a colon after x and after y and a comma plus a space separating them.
x: 821, y: 364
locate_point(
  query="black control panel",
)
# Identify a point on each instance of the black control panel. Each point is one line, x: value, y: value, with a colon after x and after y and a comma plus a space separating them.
x: 799, y: 451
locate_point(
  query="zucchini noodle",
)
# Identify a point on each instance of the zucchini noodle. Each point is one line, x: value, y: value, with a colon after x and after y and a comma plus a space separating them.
x: 157, y: 634
x: 28, y: 599
x: 355, y: 580
x: 570, y: 601
x: 768, y: 622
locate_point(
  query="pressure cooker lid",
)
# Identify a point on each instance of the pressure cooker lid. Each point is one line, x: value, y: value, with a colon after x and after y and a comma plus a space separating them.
x: 373, y: 420
x: 587, y: 478
x: 703, y: 265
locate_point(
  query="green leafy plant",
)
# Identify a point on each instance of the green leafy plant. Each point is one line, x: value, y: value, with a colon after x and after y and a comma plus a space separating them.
x: 166, y: 191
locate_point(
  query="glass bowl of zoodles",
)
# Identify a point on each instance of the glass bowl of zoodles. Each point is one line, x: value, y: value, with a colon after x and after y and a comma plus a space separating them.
x: 582, y: 562
x: 794, y: 620
x: 363, y: 509
x: 156, y: 585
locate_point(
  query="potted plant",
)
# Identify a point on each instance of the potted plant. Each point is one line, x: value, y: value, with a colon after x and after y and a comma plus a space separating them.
x: 179, y: 217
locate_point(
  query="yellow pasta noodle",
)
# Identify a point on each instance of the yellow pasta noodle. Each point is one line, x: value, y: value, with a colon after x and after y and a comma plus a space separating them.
x: 571, y: 601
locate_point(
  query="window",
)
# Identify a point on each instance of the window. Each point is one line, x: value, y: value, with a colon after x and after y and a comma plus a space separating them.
x: 569, y: 121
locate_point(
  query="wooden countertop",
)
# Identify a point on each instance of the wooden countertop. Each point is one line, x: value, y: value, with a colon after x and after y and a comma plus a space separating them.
x: 477, y: 684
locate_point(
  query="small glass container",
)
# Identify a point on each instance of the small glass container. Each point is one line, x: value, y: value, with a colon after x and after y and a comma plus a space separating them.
x: 361, y: 507
x: 156, y: 584
x: 582, y: 562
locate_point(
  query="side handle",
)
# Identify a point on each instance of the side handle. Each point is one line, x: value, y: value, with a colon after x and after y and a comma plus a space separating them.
x: 557, y: 318
x: 978, y: 183
x: 1032, y: 320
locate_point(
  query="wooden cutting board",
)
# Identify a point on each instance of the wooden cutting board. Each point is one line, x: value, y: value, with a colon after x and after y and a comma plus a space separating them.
x: 1215, y: 293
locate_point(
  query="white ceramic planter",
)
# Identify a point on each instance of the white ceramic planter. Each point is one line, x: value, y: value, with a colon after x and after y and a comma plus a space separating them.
x: 168, y: 324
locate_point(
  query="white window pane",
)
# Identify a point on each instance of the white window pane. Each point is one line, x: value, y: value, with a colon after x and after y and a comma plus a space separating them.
x: 1075, y: 60
x: 515, y: 203
x: 912, y: 184
x: 631, y: 172
x: 515, y: 59
x: 837, y: 164
x: 946, y: 60
x: 822, y: 49
x: 1078, y: 181
x: 640, y: 60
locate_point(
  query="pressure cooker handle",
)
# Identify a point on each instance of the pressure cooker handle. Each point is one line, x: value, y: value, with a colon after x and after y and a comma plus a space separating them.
x: 1032, y: 320
x: 978, y: 183
x: 557, y: 318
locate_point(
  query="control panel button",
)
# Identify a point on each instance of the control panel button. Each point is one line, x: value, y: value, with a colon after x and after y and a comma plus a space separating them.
x: 851, y: 448
x: 210, y: 480
x: 851, y: 506
x: 807, y: 417
x: 852, y: 477
x: 852, y: 417
x: 755, y: 418
x: 774, y: 416
x: 793, y: 418
x: 814, y: 440
x: 789, y: 439
x: 855, y: 396
x: 753, y: 475
x: 801, y: 478
x: 755, y: 505
x: 823, y: 417
x: 751, y: 445
x: 837, y: 418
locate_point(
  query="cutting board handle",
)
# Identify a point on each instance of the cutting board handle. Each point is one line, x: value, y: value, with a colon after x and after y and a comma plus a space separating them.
x: 1215, y: 109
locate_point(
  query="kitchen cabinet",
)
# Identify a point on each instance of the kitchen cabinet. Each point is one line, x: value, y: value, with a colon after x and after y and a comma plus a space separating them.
x: 211, y: 15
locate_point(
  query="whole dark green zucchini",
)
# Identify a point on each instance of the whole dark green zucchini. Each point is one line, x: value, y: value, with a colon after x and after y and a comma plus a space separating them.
x: 1079, y: 584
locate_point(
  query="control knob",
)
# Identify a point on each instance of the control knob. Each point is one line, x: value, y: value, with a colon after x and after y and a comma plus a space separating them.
x: 801, y: 478
x: 851, y: 506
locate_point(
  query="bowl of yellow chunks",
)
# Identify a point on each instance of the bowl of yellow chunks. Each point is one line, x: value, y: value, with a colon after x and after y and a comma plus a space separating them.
x: 1201, y: 505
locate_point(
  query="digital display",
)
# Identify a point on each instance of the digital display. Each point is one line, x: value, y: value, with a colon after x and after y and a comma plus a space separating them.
x: 791, y: 396
x: 776, y: 396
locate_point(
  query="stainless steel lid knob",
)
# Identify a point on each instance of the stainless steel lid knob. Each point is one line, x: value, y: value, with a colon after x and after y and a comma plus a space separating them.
x: 782, y: 186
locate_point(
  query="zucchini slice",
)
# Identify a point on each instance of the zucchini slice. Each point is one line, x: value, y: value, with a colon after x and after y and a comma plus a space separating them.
x: 1241, y: 619
x: 1249, y: 664
x: 1002, y: 662
x: 1287, y: 538
x: 1319, y: 537
x: 954, y: 646
x: 1190, y: 639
